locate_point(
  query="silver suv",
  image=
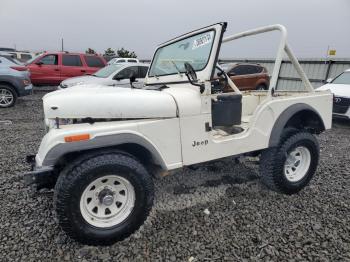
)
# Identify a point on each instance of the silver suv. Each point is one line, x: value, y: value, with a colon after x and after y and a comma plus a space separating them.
x: 115, y: 74
x: 14, y: 81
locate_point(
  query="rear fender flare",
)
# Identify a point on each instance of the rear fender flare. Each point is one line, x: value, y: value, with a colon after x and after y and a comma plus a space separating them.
x: 283, y: 119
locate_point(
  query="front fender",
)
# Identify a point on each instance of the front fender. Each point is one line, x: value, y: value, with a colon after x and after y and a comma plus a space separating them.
x: 54, y: 148
x: 100, y: 142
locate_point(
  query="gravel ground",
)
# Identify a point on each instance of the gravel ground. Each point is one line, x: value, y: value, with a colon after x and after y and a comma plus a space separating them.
x: 218, y: 212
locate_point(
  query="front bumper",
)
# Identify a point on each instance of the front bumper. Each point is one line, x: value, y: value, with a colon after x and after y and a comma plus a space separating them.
x: 40, y: 177
x: 25, y: 90
x: 341, y: 116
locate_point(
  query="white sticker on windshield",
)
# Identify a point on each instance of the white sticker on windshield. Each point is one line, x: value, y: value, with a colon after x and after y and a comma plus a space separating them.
x: 202, y: 40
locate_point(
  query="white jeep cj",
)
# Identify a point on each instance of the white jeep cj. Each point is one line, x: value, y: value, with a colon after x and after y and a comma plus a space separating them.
x: 104, y: 144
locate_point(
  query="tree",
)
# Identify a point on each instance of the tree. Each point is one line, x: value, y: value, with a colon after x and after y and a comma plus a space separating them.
x: 109, y: 52
x: 125, y: 53
x: 90, y: 51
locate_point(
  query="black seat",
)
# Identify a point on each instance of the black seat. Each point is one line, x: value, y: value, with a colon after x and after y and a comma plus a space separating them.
x: 227, y: 110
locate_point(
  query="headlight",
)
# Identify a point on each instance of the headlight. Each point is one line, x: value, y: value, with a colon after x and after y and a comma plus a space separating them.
x: 49, y: 123
x: 53, y: 123
x: 64, y: 121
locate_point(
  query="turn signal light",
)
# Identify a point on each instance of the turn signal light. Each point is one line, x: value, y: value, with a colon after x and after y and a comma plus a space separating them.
x: 77, y: 138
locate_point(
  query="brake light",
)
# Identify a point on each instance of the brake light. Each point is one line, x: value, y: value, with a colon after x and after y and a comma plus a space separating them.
x: 19, y: 68
x: 77, y: 138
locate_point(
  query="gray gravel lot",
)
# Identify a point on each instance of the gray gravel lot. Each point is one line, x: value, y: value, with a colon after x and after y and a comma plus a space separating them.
x: 245, y: 221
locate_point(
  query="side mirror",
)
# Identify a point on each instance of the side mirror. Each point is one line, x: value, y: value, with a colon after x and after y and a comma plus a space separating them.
x: 39, y: 63
x: 192, y: 76
x: 329, y: 80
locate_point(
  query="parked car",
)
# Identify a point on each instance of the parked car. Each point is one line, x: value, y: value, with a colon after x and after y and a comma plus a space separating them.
x: 11, y: 57
x: 7, y: 49
x: 14, y: 82
x: 22, y: 56
x: 53, y: 68
x: 247, y: 76
x: 340, y: 87
x: 115, y: 74
x: 122, y: 60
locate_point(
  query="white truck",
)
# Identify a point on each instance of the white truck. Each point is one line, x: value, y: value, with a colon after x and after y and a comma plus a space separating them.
x: 105, y: 145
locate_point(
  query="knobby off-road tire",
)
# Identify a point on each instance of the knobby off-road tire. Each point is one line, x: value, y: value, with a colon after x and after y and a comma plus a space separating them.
x: 8, y: 96
x: 103, y: 197
x: 290, y: 166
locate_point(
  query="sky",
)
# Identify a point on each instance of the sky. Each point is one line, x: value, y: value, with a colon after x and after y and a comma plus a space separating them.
x: 140, y: 25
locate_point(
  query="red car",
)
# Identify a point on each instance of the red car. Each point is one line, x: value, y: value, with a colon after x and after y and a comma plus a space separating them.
x: 53, y: 68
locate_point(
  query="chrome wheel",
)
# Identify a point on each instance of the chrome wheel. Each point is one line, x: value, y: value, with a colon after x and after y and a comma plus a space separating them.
x: 6, y: 97
x: 107, y: 201
x: 297, y: 164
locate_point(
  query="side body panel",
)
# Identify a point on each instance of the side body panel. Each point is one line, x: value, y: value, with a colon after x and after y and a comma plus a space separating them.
x: 45, y: 74
x: 72, y: 71
x: 160, y: 137
x: 199, y: 145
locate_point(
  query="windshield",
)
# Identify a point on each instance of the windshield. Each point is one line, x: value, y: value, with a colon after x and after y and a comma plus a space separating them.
x: 107, y: 71
x: 195, y: 50
x: 343, y: 78
x: 32, y: 59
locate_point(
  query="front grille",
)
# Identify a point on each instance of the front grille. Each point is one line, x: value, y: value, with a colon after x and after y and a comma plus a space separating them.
x: 341, y: 104
x: 340, y: 109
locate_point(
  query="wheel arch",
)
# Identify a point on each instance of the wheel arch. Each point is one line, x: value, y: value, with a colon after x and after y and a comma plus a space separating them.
x: 9, y: 84
x: 261, y: 82
x: 133, y: 144
x: 300, y: 116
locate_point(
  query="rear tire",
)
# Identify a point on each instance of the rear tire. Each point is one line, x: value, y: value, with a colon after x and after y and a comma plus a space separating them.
x: 290, y: 166
x: 261, y: 88
x: 104, y: 197
x: 8, y: 96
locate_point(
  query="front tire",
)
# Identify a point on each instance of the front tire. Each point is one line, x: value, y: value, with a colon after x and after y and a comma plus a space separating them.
x: 103, y: 198
x: 290, y: 166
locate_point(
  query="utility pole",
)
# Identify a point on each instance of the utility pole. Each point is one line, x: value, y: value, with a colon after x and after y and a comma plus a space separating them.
x: 62, y: 45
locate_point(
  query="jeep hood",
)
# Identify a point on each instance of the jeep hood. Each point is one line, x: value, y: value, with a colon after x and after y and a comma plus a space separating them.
x: 337, y: 89
x: 99, y: 101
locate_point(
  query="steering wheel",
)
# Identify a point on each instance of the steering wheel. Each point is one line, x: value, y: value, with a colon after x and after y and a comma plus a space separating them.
x: 222, y: 73
x: 217, y: 85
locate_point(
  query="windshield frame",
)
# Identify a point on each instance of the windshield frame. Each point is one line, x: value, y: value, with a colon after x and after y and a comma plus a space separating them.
x: 178, y: 40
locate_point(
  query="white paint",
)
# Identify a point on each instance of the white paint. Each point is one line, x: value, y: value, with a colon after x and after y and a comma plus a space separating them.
x: 181, y: 139
x: 108, y: 102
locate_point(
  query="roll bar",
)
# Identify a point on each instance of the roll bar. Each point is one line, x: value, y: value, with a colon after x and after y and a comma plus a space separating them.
x: 283, y: 46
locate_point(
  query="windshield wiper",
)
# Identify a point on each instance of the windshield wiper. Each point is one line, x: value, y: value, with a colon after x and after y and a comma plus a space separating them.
x: 177, y: 69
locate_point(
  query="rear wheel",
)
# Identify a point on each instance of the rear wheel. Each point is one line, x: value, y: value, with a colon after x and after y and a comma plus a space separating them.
x: 8, y: 96
x: 103, y: 198
x: 261, y: 87
x: 289, y: 167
